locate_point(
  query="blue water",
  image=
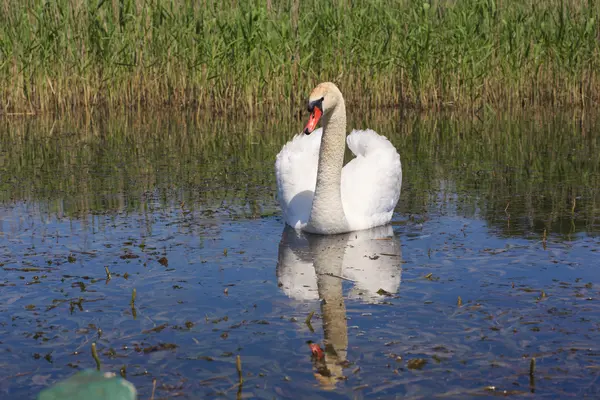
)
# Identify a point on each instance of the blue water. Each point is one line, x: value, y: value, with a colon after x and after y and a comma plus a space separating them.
x: 212, y: 284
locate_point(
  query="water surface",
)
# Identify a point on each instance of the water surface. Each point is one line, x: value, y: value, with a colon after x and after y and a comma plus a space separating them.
x: 491, y: 260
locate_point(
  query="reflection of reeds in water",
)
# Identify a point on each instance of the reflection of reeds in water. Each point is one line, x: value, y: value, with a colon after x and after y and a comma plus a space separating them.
x: 247, y: 56
x: 537, y: 171
x: 544, y: 170
x: 123, y: 164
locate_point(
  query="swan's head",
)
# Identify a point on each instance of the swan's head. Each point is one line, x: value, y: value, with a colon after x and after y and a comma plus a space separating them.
x: 322, y: 101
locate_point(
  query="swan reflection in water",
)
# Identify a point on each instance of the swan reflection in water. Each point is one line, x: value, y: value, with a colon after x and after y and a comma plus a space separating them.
x: 313, y: 267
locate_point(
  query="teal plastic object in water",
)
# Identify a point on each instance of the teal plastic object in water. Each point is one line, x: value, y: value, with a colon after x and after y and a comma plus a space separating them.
x: 91, y: 385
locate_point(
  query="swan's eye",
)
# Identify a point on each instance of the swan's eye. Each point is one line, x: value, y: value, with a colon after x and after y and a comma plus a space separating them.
x: 316, y: 103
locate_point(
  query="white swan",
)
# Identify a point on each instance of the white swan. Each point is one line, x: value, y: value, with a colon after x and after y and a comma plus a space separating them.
x: 315, y: 193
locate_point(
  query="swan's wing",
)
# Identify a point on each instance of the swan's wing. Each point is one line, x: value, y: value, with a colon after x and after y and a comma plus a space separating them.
x: 372, y: 181
x: 296, y: 173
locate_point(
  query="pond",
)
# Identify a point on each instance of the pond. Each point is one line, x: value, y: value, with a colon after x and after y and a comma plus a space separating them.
x: 486, y: 283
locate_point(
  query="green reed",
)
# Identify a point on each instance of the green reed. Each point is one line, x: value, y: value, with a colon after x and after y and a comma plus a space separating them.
x: 256, y: 56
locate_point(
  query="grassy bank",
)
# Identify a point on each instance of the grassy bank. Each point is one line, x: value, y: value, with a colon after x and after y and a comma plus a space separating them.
x: 252, y: 56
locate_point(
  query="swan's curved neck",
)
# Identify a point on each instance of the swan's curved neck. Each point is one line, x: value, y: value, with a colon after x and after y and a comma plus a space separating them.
x: 327, y: 213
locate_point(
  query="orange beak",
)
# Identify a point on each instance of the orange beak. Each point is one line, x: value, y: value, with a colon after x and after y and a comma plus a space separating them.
x: 315, y: 116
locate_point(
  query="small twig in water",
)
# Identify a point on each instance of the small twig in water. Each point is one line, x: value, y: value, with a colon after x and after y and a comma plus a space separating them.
x: 238, y: 366
x: 107, y: 273
x: 309, y: 317
x: 339, y: 277
x: 532, y: 374
x: 153, y: 388
x: 96, y: 358
x: 544, y: 240
x: 133, y: 310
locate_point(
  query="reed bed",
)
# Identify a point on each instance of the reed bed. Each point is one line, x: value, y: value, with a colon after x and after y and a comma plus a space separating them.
x: 259, y: 56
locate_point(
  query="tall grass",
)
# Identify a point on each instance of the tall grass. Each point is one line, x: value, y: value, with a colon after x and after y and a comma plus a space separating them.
x: 256, y: 56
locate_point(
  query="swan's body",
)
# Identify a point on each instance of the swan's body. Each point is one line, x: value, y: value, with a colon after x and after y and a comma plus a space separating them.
x: 317, y: 193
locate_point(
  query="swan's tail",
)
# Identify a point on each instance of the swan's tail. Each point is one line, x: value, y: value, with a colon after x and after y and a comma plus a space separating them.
x: 362, y: 142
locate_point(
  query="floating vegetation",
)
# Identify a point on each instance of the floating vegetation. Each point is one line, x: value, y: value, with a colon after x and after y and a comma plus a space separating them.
x: 383, y: 292
x: 416, y: 363
x: 155, y: 329
x: 132, y: 303
x: 160, y: 347
x: 430, y: 277
x: 163, y: 261
x: 76, y: 303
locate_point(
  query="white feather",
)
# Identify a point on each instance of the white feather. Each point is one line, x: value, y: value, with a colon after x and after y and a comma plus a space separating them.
x: 296, y: 173
x: 372, y: 181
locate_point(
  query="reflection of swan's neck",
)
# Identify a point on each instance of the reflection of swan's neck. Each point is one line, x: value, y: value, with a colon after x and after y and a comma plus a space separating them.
x: 327, y: 212
x: 312, y: 266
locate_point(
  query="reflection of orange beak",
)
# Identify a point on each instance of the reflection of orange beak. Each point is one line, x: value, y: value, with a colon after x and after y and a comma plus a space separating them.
x: 315, y: 116
x: 316, y: 350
